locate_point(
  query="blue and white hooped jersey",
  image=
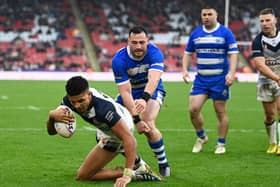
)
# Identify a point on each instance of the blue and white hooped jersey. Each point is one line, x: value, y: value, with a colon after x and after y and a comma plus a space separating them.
x: 212, y: 49
x: 126, y: 68
x: 103, y: 112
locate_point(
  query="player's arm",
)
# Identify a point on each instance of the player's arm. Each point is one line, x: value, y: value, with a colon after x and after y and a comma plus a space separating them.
x: 129, y: 143
x: 50, y: 125
x: 125, y: 92
x: 185, y: 64
x: 153, y: 80
x: 264, y: 69
x: 233, y: 57
x: 121, y: 130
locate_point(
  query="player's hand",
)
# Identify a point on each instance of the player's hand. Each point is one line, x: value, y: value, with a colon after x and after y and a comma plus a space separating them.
x: 140, y: 105
x: 142, y: 127
x: 62, y: 115
x: 122, y: 181
x: 230, y: 78
x: 278, y: 81
x: 186, y: 77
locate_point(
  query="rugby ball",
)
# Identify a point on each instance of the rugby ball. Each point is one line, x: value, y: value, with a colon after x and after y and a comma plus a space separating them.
x: 63, y: 129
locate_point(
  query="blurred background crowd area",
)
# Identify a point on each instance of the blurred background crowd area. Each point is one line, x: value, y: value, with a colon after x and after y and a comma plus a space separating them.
x: 83, y: 35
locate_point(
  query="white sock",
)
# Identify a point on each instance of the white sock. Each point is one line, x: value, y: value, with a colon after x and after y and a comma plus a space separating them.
x: 271, y: 131
x: 278, y: 129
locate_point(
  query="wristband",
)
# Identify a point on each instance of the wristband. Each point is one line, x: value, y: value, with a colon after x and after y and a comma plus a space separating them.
x: 146, y: 96
x: 136, y: 119
x: 127, y: 172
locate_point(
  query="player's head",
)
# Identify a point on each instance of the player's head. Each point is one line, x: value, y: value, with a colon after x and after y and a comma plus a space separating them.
x: 77, y: 89
x: 268, y: 21
x: 209, y: 17
x: 138, y: 41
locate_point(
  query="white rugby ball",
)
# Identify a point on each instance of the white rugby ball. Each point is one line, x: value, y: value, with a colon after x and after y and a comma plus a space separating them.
x: 63, y: 129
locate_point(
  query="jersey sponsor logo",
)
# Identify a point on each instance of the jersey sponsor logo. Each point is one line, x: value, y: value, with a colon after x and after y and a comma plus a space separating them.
x: 209, y: 40
x: 209, y: 50
x: 141, y: 69
x: 274, y: 62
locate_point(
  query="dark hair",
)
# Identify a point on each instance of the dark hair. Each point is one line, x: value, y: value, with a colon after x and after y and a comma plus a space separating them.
x: 137, y: 30
x: 267, y: 11
x: 209, y: 7
x: 76, y: 85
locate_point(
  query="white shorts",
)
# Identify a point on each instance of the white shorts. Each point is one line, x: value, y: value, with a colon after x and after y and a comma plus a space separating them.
x: 268, y: 92
x: 109, y: 141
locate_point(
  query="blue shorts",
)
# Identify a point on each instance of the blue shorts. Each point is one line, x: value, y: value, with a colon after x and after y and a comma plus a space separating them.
x: 159, y: 95
x: 216, y: 91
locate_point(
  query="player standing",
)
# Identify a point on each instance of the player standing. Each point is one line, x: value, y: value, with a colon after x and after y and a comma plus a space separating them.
x: 213, y: 44
x: 266, y: 55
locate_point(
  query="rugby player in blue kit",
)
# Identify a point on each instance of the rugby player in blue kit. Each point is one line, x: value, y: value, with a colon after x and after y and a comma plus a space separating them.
x: 137, y: 70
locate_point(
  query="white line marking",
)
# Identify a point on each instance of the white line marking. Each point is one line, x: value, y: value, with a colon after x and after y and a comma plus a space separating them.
x: 89, y: 128
x: 163, y: 130
x: 30, y: 107
x: 3, y: 97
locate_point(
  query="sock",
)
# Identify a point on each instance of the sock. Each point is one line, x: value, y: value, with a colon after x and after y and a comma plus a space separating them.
x: 137, y: 161
x: 278, y: 128
x: 159, y: 151
x: 271, y: 132
x: 221, y: 141
x: 201, y: 134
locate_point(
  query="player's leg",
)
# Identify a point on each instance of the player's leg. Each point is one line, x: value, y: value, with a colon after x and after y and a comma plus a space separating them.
x: 264, y: 94
x: 278, y: 123
x: 195, y: 104
x: 154, y: 136
x: 220, y: 109
x: 220, y: 94
x: 93, y: 166
x: 270, y: 125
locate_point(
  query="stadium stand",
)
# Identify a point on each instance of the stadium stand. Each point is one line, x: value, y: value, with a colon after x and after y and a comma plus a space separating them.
x: 43, y: 35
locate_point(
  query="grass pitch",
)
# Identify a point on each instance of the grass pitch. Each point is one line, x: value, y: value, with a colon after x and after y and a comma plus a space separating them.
x: 31, y: 158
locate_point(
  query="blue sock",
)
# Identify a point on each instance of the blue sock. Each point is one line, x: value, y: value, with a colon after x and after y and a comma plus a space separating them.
x: 222, y: 140
x: 201, y: 134
x: 159, y: 151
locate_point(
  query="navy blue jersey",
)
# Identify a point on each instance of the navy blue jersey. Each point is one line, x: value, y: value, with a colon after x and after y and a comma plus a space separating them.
x: 103, y: 111
x: 269, y: 48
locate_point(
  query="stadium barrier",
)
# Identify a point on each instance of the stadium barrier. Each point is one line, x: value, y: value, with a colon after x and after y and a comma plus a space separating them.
x: 103, y: 76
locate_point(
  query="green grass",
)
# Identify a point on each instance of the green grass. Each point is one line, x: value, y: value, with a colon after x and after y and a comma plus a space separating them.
x: 29, y: 157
